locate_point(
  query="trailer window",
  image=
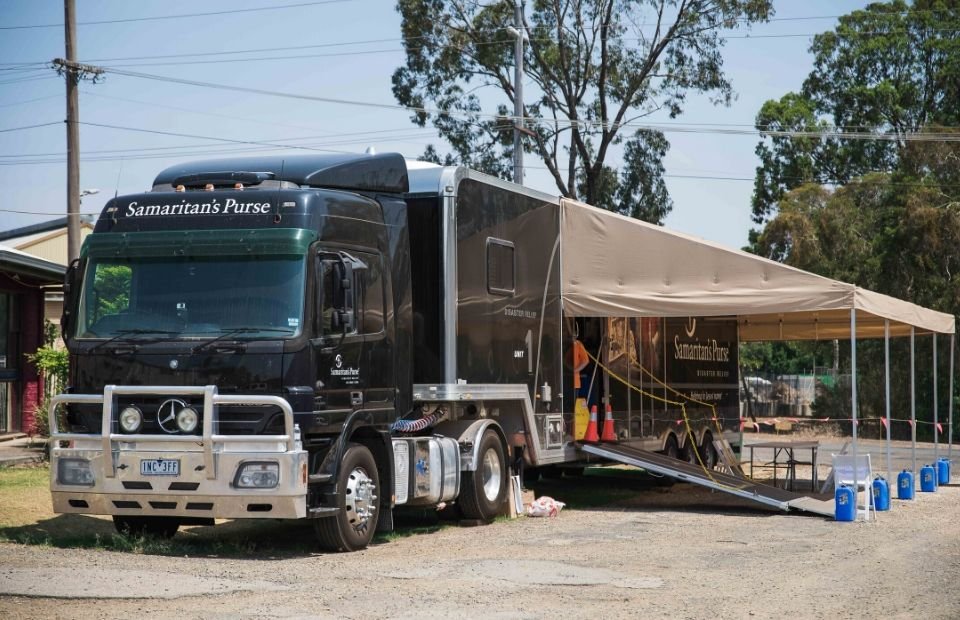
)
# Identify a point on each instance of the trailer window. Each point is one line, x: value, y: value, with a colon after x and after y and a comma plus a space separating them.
x: 501, y: 269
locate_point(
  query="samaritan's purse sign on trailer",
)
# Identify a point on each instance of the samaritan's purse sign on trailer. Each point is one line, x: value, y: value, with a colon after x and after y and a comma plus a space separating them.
x: 695, y: 357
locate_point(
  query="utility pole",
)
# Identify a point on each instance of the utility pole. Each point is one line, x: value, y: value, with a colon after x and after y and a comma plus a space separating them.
x: 73, y: 72
x: 518, y: 91
x: 73, y: 133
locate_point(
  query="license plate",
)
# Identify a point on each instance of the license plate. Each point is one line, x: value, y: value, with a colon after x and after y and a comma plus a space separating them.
x: 159, y: 467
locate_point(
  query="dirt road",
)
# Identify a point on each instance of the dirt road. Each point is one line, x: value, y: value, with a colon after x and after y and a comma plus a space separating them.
x: 680, y: 552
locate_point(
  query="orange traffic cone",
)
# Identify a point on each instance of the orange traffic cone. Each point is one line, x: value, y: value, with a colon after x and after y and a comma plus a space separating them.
x: 608, y: 433
x: 591, y: 436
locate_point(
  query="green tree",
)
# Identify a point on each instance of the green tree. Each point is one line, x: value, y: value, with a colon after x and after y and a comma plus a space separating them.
x: 891, y: 68
x: 597, y: 67
x: 896, y: 233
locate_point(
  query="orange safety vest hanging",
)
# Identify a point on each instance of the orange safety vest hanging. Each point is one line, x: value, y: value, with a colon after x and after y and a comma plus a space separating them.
x: 580, y: 360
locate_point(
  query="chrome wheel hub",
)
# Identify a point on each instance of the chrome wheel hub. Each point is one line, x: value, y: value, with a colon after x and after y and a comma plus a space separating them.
x: 491, y: 475
x: 360, y: 498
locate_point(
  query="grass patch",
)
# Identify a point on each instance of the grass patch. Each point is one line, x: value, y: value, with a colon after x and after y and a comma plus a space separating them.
x: 406, y: 531
x: 18, y: 478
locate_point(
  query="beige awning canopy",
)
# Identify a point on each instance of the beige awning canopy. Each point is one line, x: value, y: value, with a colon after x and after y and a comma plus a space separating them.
x: 617, y: 266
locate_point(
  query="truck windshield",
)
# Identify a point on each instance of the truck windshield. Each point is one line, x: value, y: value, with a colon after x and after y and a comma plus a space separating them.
x: 255, y: 297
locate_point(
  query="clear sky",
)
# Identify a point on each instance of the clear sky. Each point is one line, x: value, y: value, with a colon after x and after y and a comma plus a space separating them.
x: 344, y: 49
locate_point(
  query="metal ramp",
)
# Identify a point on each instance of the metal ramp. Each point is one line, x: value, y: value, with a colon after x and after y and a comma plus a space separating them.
x: 725, y: 483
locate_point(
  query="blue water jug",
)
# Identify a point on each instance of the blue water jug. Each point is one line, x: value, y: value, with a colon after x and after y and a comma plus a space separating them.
x: 845, y: 504
x: 943, y: 471
x: 928, y: 479
x: 881, y: 494
x: 905, y: 485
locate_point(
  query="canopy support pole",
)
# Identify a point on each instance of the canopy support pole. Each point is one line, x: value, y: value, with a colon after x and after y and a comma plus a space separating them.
x: 853, y: 403
x: 913, y: 399
x: 936, y: 434
x: 950, y: 403
x: 886, y: 364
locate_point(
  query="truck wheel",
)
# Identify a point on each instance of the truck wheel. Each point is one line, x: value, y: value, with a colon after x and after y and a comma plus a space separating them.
x: 483, y: 491
x: 158, y: 527
x: 708, y: 452
x: 672, y: 449
x: 356, y: 520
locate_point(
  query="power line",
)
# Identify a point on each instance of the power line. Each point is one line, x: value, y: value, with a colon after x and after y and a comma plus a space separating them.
x: 28, y: 78
x: 255, y: 50
x: 562, y: 123
x: 6, y: 105
x: 198, y: 137
x: 224, y: 116
x: 399, y: 50
x: 752, y: 126
x: 165, y: 17
x: 204, y: 150
x: 29, y: 127
x: 358, y: 136
x: 262, y: 58
x: 163, y: 57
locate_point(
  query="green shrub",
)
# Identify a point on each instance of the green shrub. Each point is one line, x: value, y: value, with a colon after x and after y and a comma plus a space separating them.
x: 54, y: 364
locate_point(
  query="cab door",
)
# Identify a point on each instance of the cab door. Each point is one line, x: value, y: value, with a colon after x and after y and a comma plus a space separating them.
x: 352, y: 356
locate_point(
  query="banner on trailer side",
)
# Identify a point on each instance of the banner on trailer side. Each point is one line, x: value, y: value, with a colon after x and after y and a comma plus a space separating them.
x: 668, y: 361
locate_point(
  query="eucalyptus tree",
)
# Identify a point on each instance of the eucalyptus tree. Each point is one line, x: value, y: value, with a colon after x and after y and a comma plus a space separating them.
x: 599, y: 70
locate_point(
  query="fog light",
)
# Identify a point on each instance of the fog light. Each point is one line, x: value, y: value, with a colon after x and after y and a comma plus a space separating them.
x: 187, y: 419
x: 74, y: 472
x: 257, y: 476
x: 131, y: 419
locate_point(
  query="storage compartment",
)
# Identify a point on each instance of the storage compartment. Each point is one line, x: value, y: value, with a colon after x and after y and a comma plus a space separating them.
x: 427, y: 469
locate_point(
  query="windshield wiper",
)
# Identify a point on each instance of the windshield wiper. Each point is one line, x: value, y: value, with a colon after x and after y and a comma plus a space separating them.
x: 233, y: 331
x: 126, y: 333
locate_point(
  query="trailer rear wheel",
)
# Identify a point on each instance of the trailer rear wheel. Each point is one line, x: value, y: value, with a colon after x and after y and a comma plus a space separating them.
x: 672, y: 449
x: 158, y: 527
x: 483, y: 491
x: 708, y: 452
x: 358, y: 505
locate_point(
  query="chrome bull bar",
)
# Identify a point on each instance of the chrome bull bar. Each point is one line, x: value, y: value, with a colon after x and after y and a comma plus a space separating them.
x: 211, y: 401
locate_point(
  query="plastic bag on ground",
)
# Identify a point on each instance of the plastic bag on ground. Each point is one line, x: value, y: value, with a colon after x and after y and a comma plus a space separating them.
x: 544, y: 507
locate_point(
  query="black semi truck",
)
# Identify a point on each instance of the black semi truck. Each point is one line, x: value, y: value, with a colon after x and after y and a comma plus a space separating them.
x: 324, y: 337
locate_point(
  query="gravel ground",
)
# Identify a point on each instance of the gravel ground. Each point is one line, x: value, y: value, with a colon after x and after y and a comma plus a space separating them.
x: 679, y: 552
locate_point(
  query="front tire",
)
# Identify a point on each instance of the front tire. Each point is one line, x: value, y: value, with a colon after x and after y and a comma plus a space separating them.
x: 482, y: 492
x: 358, y: 506
x: 157, y: 527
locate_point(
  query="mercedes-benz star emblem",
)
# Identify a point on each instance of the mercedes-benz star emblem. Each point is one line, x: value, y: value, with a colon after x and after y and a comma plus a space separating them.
x: 167, y: 414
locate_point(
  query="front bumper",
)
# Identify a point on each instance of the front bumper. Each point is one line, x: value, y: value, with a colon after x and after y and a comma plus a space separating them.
x: 208, y: 464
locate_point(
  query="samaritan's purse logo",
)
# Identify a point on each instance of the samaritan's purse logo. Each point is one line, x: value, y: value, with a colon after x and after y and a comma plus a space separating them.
x: 167, y: 414
x: 690, y: 327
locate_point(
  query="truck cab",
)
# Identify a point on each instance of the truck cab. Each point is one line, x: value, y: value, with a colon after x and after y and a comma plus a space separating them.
x: 234, y: 333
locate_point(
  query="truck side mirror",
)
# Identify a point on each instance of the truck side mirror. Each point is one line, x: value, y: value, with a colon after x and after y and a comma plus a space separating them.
x: 335, y: 295
x: 70, y: 283
x: 346, y: 320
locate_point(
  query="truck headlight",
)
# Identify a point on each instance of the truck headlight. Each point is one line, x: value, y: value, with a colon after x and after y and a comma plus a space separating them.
x: 131, y: 419
x: 257, y: 475
x: 74, y: 472
x: 187, y: 419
